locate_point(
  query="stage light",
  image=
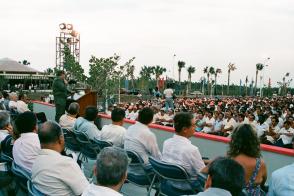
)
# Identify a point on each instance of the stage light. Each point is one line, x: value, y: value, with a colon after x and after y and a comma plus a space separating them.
x: 69, y: 27
x: 74, y: 33
x: 62, y: 26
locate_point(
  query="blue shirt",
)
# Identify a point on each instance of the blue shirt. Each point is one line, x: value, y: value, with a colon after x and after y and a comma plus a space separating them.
x: 282, y: 182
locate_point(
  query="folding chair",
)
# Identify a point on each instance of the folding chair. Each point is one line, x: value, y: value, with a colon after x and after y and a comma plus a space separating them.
x: 102, y: 144
x: 88, y: 148
x: 71, y: 142
x: 21, y: 176
x: 170, y: 173
x: 33, y: 191
x: 138, y: 173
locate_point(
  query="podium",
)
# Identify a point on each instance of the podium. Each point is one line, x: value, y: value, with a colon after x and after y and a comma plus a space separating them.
x: 90, y: 98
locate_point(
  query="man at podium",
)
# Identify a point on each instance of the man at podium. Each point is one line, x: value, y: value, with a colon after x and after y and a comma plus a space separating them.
x: 60, y: 94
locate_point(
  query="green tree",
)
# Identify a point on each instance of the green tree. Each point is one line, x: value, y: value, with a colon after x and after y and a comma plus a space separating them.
x: 231, y: 67
x: 130, y: 69
x: 259, y: 67
x: 24, y: 62
x: 145, y: 75
x: 217, y: 71
x: 181, y: 64
x: 190, y: 70
x: 158, y: 71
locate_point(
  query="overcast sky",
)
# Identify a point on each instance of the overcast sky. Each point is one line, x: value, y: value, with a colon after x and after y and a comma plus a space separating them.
x: 200, y: 32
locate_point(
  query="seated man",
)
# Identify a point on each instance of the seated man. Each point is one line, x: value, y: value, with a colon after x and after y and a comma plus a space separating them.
x: 86, y: 124
x: 115, y: 132
x: 22, y: 106
x: 209, y: 122
x: 110, y: 171
x: 52, y: 173
x: 68, y: 120
x: 12, y: 105
x: 26, y: 148
x: 5, y: 126
x: 285, y: 135
x: 140, y: 139
x: 282, y: 181
x: 226, y: 177
x: 180, y: 151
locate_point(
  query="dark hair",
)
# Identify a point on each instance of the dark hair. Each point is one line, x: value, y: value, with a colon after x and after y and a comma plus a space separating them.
x: 26, y: 122
x: 227, y: 174
x: 244, y: 140
x: 49, y: 132
x: 111, y: 166
x: 73, y: 108
x: 5, y: 95
x: 91, y: 113
x: 287, y: 122
x: 117, y: 114
x: 20, y: 96
x: 145, y: 116
x: 4, y: 119
x: 60, y: 72
x: 181, y: 120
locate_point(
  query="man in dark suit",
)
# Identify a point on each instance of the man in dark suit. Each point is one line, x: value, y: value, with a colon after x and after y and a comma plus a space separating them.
x: 60, y: 94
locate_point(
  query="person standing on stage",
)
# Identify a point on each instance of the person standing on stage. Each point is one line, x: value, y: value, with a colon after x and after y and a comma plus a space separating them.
x: 60, y: 94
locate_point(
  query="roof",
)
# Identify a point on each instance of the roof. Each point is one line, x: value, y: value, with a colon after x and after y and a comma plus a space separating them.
x: 9, y: 65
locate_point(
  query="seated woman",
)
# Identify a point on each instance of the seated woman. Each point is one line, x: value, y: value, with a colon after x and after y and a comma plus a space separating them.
x: 244, y: 148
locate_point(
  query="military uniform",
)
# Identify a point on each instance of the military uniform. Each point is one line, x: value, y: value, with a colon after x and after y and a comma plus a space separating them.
x: 60, y: 95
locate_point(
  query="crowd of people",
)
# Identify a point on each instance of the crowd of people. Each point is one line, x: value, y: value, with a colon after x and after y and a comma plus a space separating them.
x: 273, y: 118
x: 38, y: 149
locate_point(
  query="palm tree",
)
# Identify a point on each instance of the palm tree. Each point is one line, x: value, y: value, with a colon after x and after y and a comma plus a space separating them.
x: 158, y: 70
x: 211, y: 72
x: 190, y: 70
x: 259, y: 67
x: 231, y: 67
x: 217, y: 71
x: 246, y: 82
x: 181, y: 64
x: 24, y: 62
x: 146, y: 73
x: 206, y: 71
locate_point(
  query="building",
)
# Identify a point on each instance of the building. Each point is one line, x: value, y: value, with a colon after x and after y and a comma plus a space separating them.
x: 14, y: 76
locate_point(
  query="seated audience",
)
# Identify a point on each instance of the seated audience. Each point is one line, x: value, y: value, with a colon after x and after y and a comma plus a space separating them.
x: 68, y: 120
x: 208, y: 123
x: 282, y: 181
x: 22, y: 105
x: 244, y: 148
x: 6, y: 100
x: 179, y: 149
x: 225, y: 178
x: 27, y: 146
x: 115, y: 132
x: 53, y: 173
x: 110, y: 171
x: 271, y: 135
x: 229, y: 124
x: 218, y: 124
x: 140, y: 139
x: 86, y: 124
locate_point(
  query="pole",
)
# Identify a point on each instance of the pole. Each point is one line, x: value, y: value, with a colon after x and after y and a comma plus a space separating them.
x: 119, y: 89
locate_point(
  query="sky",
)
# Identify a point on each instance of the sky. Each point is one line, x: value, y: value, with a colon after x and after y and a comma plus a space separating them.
x: 200, y: 32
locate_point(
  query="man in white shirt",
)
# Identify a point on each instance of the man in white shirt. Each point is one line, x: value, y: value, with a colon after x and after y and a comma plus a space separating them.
x: 286, y: 135
x: 140, y: 139
x: 115, y: 132
x: 68, y: 120
x: 110, y: 171
x: 27, y: 147
x: 218, y: 124
x: 22, y: 106
x: 52, y: 173
x: 168, y: 95
x: 230, y: 124
x: 271, y: 135
x: 12, y: 105
x: 208, y: 123
x: 179, y: 149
